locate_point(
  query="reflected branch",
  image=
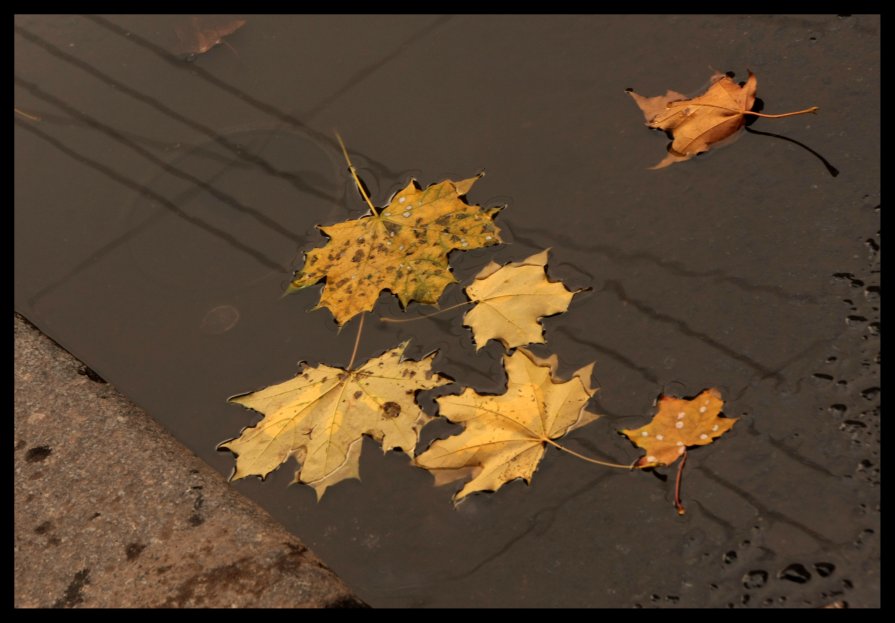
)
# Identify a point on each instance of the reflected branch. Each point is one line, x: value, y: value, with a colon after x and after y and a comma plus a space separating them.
x: 116, y: 136
x: 269, y: 109
x: 151, y: 194
x: 150, y: 101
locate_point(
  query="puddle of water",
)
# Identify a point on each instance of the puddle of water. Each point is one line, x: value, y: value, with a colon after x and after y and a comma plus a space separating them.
x: 160, y: 205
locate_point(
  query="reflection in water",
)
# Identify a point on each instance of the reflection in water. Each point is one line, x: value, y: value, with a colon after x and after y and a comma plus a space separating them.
x: 234, y: 148
x: 115, y: 135
x: 540, y: 101
x: 225, y: 236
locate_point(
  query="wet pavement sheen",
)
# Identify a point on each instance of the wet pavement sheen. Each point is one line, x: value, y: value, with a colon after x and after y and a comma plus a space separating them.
x: 161, y: 203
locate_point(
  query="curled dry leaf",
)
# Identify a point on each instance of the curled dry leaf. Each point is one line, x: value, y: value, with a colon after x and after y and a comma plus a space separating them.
x: 511, y: 300
x: 697, y: 124
x: 506, y: 436
x: 680, y: 423
x: 320, y: 416
x: 403, y: 248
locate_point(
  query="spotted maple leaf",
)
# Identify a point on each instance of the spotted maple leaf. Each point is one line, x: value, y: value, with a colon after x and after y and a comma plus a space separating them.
x: 678, y: 424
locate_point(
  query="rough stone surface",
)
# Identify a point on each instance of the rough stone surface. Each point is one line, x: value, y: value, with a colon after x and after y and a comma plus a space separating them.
x: 111, y: 511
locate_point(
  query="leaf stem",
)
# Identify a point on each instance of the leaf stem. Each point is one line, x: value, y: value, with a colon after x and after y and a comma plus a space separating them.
x: 360, y: 328
x: 435, y: 313
x: 26, y: 115
x: 589, y: 459
x: 357, y: 181
x: 812, y: 110
x: 677, y: 484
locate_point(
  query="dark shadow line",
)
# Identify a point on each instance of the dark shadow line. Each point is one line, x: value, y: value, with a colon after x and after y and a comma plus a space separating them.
x: 775, y: 515
x: 62, y: 121
x: 727, y: 527
x: 646, y: 373
x: 777, y: 373
x: 146, y: 192
x: 534, y: 525
x: 833, y: 171
x: 798, y: 458
x: 113, y: 244
x: 150, y: 101
x: 264, y: 107
x: 365, y: 72
x: 115, y: 135
x: 675, y: 268
x: 617, y: 289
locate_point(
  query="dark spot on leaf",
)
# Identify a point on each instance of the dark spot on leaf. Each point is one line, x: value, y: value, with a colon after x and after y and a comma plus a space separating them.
x: 391, y: 409
x: 443, y: 220
x: 358, y: 394
x: 358, y: 256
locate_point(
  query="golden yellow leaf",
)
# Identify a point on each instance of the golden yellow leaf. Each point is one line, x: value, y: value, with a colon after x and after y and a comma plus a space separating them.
x: 506, y: 436
x: 696, y: 124
x: 404, y: 248
x: 319, y: 418
x: 680, y: 423
x: 511, y: 300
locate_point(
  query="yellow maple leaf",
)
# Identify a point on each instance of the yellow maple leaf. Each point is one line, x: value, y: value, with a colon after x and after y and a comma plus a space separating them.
x: 402, y: 248
x: 320, y: 416
x: 511, y: 300
x: 680, y: 423
x: 506, y: 436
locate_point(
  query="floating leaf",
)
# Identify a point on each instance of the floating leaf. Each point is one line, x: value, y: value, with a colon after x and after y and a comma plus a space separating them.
x: 200, y: 33
x: 696, y: 124
x: 506, y: 436
x: 511, y: 300
x: 320, y: 416
x: 403, y: 248
x: 680, y: 423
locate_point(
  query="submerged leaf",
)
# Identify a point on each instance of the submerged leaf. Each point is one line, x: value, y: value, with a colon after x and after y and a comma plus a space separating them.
x: 680, y: 423
x: 200, y: 33
x: 506, y: 436
x: 404, y: 248
x: 320, y: 416
x: 511, y: 300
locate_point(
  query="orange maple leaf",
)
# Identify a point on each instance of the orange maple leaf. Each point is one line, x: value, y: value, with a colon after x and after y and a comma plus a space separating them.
x: 698, y: 123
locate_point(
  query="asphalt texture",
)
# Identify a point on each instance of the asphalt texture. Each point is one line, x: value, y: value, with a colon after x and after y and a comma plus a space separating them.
x: 111, y: 511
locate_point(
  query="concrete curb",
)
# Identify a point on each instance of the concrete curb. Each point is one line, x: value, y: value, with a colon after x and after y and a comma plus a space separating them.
x: 111, y: 511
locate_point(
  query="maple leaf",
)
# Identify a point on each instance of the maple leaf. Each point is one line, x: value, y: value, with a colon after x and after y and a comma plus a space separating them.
x: 511, y: 300
x: 680, y: 423
x: 403, y: 248
x: 506, y: 435
x: 696, y: 124
x: 320, y: 416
